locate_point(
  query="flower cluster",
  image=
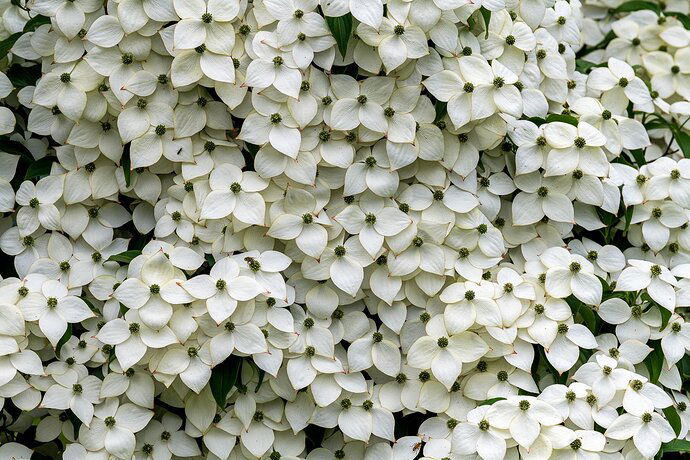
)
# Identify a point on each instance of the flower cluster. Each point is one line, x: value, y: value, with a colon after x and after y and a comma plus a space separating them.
x: 342, y: 229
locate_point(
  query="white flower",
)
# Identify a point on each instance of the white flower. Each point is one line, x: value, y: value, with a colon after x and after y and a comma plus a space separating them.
x: 647, y: 430
x: 54, y: 308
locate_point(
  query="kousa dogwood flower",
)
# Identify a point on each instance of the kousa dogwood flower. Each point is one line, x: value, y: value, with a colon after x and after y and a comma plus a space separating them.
x: 395, y: 42
x: 541, y: 196
x: 523, y: 416
x: 38, y: 205
x: 206, y: 23
x: 272, y: 66
x: 374, y: 349
x: 67, y: 90
x: 669, y: 73
x: 372, y: 221
x: 342, y: 263
x: 571, y: 274
x: 564, y: 351
x: 54, y: 309
x: 131, y: 338
x: 444, y: 353
x: 235, y: 192
x: 632, y: 322
x: 647, y: 430
x: 477, y: 435
x: 222, y: 289
x: 113, y: 427
x: 79, y: 396
x: 656, y: 279
x: 619, y: 85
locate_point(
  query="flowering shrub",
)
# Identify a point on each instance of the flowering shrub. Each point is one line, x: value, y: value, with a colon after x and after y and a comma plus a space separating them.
x: 292, y: 229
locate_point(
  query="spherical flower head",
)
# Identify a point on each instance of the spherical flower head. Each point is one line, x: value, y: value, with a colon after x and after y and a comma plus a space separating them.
x: 510, y: 40
x: 502, y: 376
x: 308, y: 323
x: 160, y: 130
x: 370, y: 219
x: 574, y: 267
x: 468, y: 87
x: 580, y: 142
x: 134, y: 328
x: 64, y: 266
x: 484, y: 425
x: 623, y: 82
x: 398, y: 30
x: 207, y: 18
x: 401, y: 378
x: 51, y: 302
x: 499, y: 82
x: 417, y: 241
x: 155, y: 289
x: 109, y: 421
x: 524, y: 405
x: 442, y: 342
x: 542, y: 192
x: 562, y: 328
x: 235, y: 187
x: 576, y: 444
x: 345, y: 404
x: 278, y: 61
x: 142, y: 103
x: 389, y: 112
x: 258, y: 416
x: 127, y: 58
x: 276, y: 118
x: 570, y: 396
x: 339, y: 250
x: 310, y: 351
x: 307, y: 218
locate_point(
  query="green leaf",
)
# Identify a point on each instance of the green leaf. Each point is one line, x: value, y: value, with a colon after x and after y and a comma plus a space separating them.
x: 40, y: 168
x: 486, y: 15
x: 223, y: 378
x: 7, y: 44
x: 126, y: 164
x: 22, y: 76
x: 654, y: 361
x: 589, y: 318
x: 677, y: 445
x: 571, y: 120
x: 682, y: 18
x: 262, y: 374
x: 65, y: 337
x: 488, y: 402
x: 15, y: 148
x: 665, y: 316
x: 35, y: 22
x: 673, y: 418
x: 683, y: 141
x: 584, y: 66
x: 341, y: 28
x: 441, y: 110
x: 637, y: 5
x: 125, y: 257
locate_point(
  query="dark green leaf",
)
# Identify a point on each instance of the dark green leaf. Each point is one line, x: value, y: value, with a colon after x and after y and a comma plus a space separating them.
x: 684, y: 365
x: 125, y: 257
x: 35, y: 22
x: 40, y: 168
x: 441, y: 110
x: 665, y: 316
x: 262, y: 374
x: 65, y: 337
x: 571, y: 120
x: 21, y: 76
x: 682, y: 18
x: 677, y: 445
x: 223, y: 378
x: 90, y: 305
x: 628, y: 218
x: 637, y: 5
x: 584, y: 66
x: 673, y: 418
x: 638, y: 155
x: 654, y: 361
x: 341, y: 28
x: 486, y: 15
x: 7, y: 44
x: 16, y: 148
x: 590, y: 320
x: 126, y: 164
x: 683, y: 141
x: 488, y: 402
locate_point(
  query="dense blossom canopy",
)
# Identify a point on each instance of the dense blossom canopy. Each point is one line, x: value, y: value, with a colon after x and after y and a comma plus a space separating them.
x: 344, y: 229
